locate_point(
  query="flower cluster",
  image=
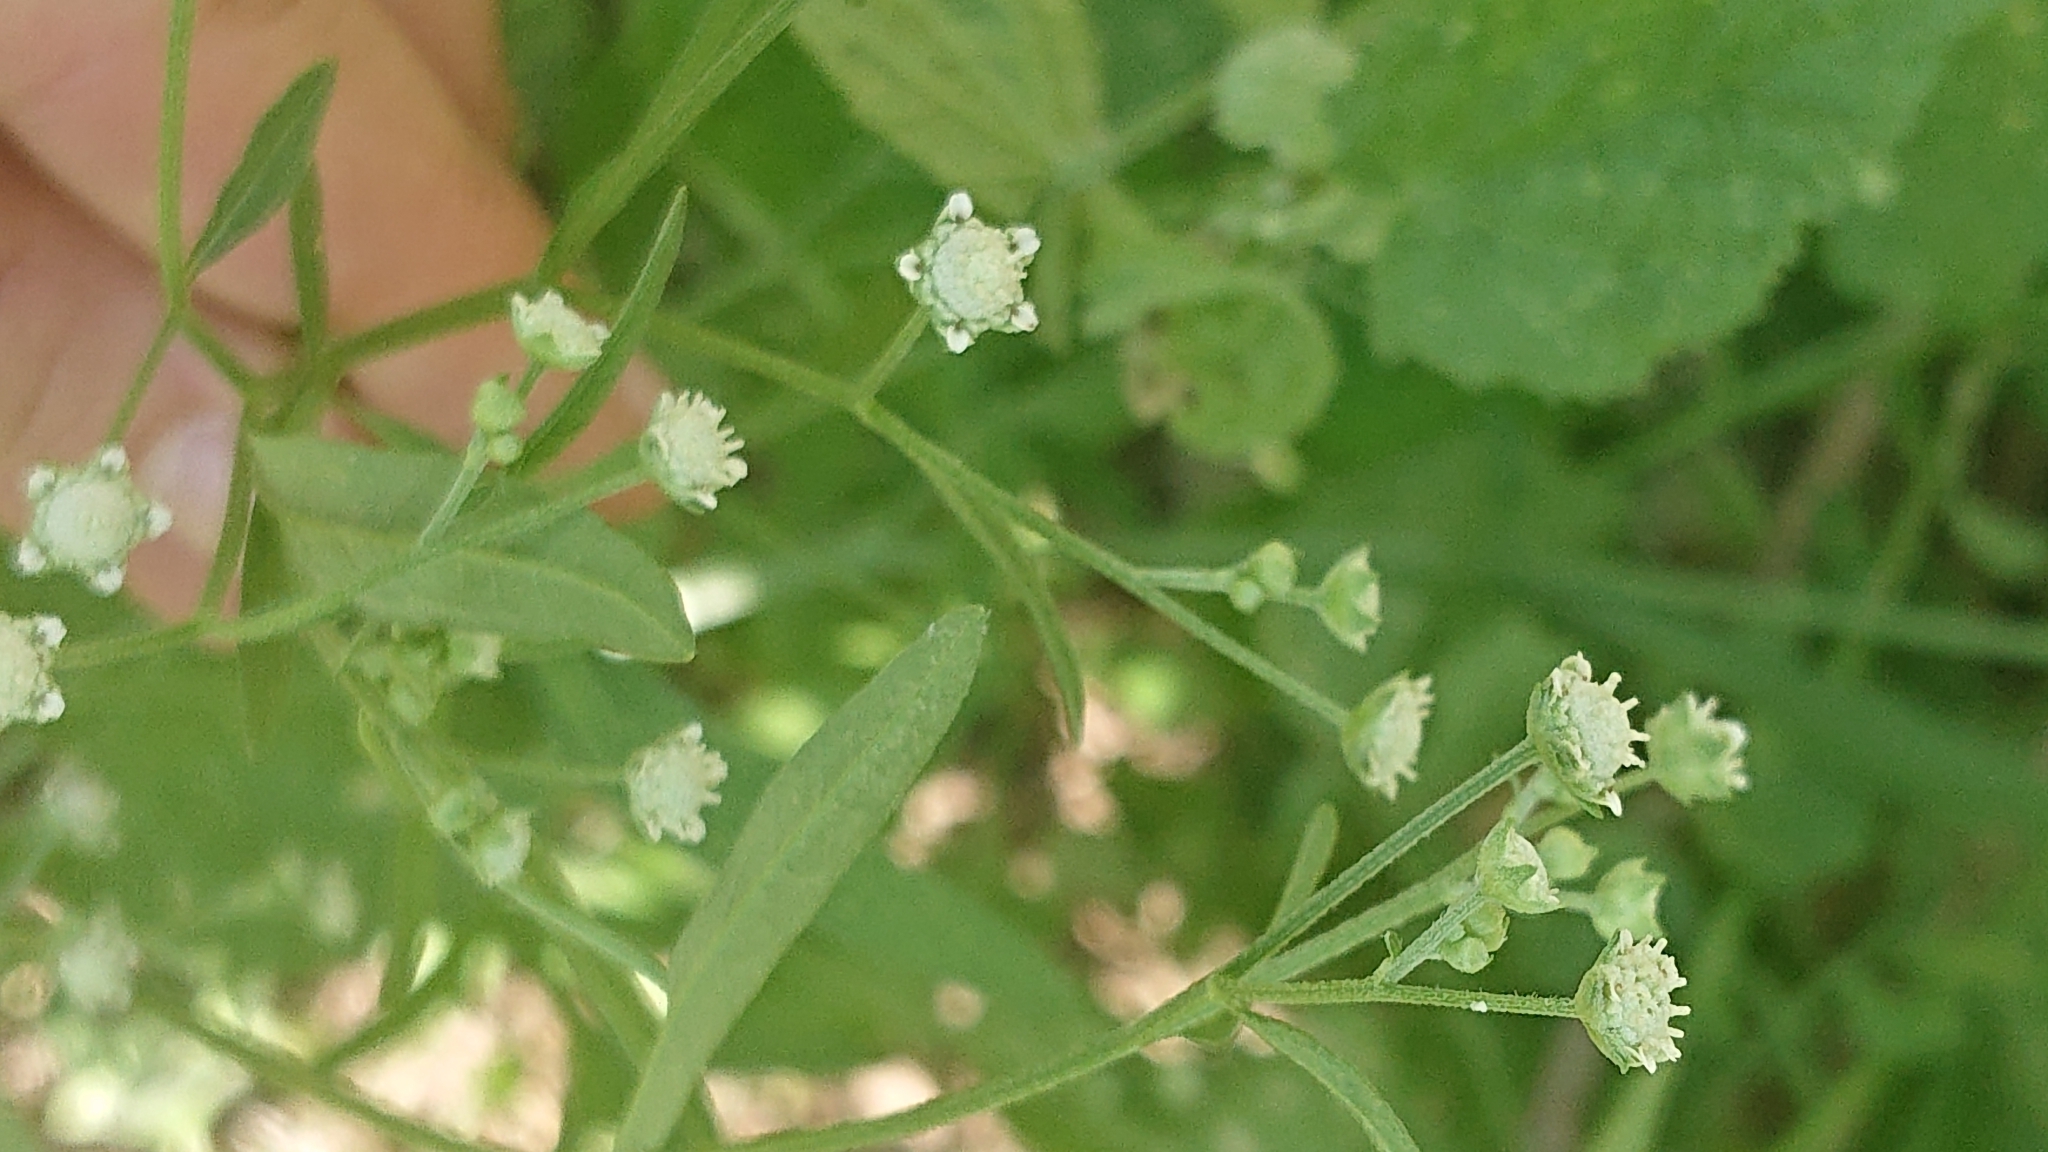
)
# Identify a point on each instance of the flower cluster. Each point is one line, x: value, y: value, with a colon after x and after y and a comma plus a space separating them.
x: 1383, y: 735
x: 690, y: 452
x: 1695, y: 754
x: 1511, y: 872
x: 87, y: 520
x: 1625, y: 1003
x: 554, y: 334
x: 672, y: 781
x: 28, y: 646
x: 1580, y: 732
x: 970, y: 275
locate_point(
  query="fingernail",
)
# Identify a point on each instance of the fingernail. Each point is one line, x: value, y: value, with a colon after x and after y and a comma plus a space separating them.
x: 188, y: 469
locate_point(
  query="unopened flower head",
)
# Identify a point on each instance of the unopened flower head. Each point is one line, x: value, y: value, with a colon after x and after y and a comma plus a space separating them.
x: 1695, y: 754
x: 28, y: 645
x: 1348, y: 599
x: 970, y: 275
x: 80, y: 806
x: 1625, y: 900
x: 97, y: 968
x: 499, y: 848
x: 689, y: 450
x: 554, y: 334
x: 672, y: 781
x: 1511, y: 871
x: 1267, y: 574
x: 1566, y: 854
x: 1625, y: 1003
x: 1580, y: 732
x: 1480, y: 934
x: 87, y: 519
x: 1383, y: 735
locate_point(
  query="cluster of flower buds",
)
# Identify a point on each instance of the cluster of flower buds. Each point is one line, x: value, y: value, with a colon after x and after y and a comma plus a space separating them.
x: 415, y: 668
x: 970, y: 275
x: 670, y: 782
x: 1624, y: 1000
x: 495, y: 838
x: 1383, y: 735
x: 690, y: 452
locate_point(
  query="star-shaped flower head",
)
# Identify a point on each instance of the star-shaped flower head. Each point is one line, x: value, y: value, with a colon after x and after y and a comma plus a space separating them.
x: 1580, y: 732
x: 1695, y: 754
x: 690, y: 452
x: 28, y: 644
x: 555, y: 334
x: 970, y: 275
x: 87, y: 519
x: 1383, y: 735
x: 672, y: 781
x: 1625, y: 1003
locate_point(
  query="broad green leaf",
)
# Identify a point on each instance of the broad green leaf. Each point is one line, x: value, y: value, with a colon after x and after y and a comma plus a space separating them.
x: 997, y: 536
x: 591, y: 389
x: 266, y: 665
x: 1960, y: 222
x: 346, y: 511
x: 817, y: 814
x: 279, y: 153
x: 1270, y: 93
x: 1584, y: 187
x: 730, y: 33
x: 1311, y: 860
x: 992, y: 96
x: 1346, y: 1083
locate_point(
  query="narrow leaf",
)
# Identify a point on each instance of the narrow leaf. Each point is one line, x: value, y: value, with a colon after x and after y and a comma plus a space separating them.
x: 589, y: 392
x: 266, y: 665
x: 994, y: 532
x: 348, y: 511
x: 309, y: 261
x: 1346, y: 1083
x: 729, y: 34
x: 814, y: 818
x: 1311, y: 860
x: 279, y: 153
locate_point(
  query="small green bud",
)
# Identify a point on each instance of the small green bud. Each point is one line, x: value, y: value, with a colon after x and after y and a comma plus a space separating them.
x: 1694, y: 754
x: 1383, y: 735
x: 1480, y: 935
x: 1566, y: 854
x: 499, y: 849
x: 1624, y: 1000
x: 1625, y: 900
x: 495, y: 410
x: 1348, y: 599
x: 1267, y: 574
x: 1580, y: 733
x: 1511, y: 872
x: 462, y: 808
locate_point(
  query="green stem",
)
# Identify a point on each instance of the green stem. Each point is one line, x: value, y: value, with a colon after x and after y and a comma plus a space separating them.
x: 170, y: 155
x: 1372, y: 924
x: 891, y: 357
x: 439, y: 985
x: 284, y: 1072
x: 1384, y: 853
x: 1191, y: 1008
x: 244, y: 379
x: 613, y: 474
x: 479, y: 307
x: 1188, y: 579
x: 1382, y: 992
x: 152, y: 360
x: 234, y: 535
x: 1425, y: 947
x: 601, y: 941
x: 474, y: 459
x: 529, y: 378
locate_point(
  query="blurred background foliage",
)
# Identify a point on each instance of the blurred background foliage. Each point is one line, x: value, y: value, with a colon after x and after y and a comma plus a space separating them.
x: 1710, y: 339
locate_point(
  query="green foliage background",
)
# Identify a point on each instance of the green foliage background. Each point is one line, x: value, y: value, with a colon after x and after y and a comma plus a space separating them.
x: 1708, y: 338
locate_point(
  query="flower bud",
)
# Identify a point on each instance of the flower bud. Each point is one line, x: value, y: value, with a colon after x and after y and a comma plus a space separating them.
x: 1625, y: 900
x: 1511, y: 872
x: 498, y: 850
x: 672, y: 781
x: 970, y: 275
x: 1566, y: 854
x: 552, y: 333
x: 1480, y: 935
x: 689, y: 451
x: 1348, y: 599
x: 1383, y: 735
x: 495, y: 410
x: 1267, y: 574
x: 1695, y: 755
x: 80, y: 806
x: 1625, y: 1003
x: 28, y: 646
x: 87, y: 520
x: 1580, y: 733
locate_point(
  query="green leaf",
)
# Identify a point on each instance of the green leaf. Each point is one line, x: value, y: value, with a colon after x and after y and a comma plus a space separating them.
x: 998, y: 537
x: 729, y: 34
x: 279, y: 153
x: 591, y: 389
x: 1311, y: 860
x: 346, y: 511
x: 994, y: 96
x: 1346, y: 1083
x: 266, y: 665
x: 1960, y: 222
x: 817, y: 814
x: 1587, y: 186
x: 2012, y: 548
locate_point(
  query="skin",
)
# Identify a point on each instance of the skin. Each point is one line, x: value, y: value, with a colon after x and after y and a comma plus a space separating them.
x: 422, y: 203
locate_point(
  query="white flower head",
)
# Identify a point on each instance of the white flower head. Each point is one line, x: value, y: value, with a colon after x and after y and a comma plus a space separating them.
x: 555, y: 334
x: 97, y: 968
x: 1511, y: 871
x: 672, y: 781
x: 80, y: 806
x: 1625, y: 900
x: 690, y: 451
x: 1695, y: 754
x: 1625, y: 1003
x: 498, y: 849
x: 1348, y: 599
x: 28, y: 645
x: 970, y: 275
x: 1383, y: 735
x: 87, y: 520
x: 1580, y: 732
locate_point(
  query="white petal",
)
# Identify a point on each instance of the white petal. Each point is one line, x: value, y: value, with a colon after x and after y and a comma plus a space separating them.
x: 29, y: 559
x: 49, y: 630
x: 156, y: 522
x: 1024, y: 239
x: 114, y: 458
x: 49, y: 707
x: 957, y: 338
x: 1024, y: 318
x: 107, y: 581
x: 41, y: 479
x: 910, y: 267
x: 959, y: 207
